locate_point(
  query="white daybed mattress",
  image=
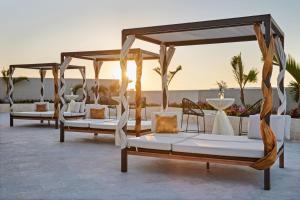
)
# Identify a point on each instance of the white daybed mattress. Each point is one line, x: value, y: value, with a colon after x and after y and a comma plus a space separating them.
x: 108, y: 124
x: 45, y: 114
x: 210, y: 144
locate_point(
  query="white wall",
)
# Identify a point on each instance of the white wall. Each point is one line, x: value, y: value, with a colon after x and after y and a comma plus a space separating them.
x: 31, y: 90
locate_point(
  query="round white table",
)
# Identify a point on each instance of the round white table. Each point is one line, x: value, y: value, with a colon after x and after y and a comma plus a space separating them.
x: 71, y: 97
x: 221, y: 125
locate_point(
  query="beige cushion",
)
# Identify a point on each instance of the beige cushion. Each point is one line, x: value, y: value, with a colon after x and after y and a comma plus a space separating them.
x: 277, y: 125
x: 153, y: 118
x: 89, y: 106
x: 41, y: 103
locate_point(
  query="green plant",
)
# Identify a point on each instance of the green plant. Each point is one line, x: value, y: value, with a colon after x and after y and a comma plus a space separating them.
x: 294, y: 69
x: 171, y: 74
x: 76, y: 88
x: 5, y: 76
x: 241, y: 77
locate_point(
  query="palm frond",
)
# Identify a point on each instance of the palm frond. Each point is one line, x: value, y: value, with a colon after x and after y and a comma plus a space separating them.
x: 295, y: 87
x: 172, y: 73
x: 157, y: 70
x: 251, y: 77
x: 293, y: 68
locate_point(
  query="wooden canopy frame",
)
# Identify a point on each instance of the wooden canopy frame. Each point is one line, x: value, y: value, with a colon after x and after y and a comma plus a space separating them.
x: 42, y: 67
x: 98, y: 58
x: 262, y: 28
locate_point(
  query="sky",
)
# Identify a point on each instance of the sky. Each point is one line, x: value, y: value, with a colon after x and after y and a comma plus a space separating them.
x: 34, y: 31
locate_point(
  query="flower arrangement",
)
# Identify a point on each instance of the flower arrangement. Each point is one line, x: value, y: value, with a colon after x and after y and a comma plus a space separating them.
x: 222, y: 86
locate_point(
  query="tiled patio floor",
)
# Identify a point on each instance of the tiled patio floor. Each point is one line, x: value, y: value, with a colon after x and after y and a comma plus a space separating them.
x: 34, y: 165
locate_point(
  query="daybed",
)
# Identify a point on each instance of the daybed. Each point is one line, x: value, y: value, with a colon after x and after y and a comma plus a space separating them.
x: 260, y: 155
x: 28, y: 111
x: 100, y: 126
x: 136, y: 127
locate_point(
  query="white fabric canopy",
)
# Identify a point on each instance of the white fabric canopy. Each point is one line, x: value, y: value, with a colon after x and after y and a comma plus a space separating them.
x: 63, y: 67
x: 120, y: 136
x: 281, y: 57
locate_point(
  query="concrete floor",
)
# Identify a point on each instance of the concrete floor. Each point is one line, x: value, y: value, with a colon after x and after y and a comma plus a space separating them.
x: 34, y: 165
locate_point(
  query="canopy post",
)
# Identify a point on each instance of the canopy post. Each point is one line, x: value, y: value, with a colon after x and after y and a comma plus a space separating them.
x: 64, y: 64
x: 97, y: 67
x: 56, y: 96
x: 138, y: 90
x: 165, y: 59
x: 266, y: 45
x: 10, y: 93
x: 42, y: 77
x: 121, y: 130
x: 83, y: 74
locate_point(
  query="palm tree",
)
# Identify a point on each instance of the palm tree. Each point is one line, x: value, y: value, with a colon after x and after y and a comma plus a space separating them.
x: 5, y: 76
x: 171, y: 74
x: 241, y: 77
x: 294, y: 69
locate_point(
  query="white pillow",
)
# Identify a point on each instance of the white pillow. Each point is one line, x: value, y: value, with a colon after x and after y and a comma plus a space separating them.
x: 82, y: 107
x: 277, y: 125
x: 153, y: 119
x: 74, y: 107
x: 98, y: 106
x: 41, y: 103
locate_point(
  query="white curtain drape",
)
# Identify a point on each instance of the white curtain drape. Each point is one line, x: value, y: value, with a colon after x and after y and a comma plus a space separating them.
x: 63, y: 67
x: 42, y: 76
x: 11, y: 88
x: 282, y: 63
x: 120, y: 135
x: 165, y: 59
x: 97, y: 68
x: 83, y: 74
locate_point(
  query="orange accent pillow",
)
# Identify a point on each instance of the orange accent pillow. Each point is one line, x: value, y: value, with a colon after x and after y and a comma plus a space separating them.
x: 41, y: 107
x: 97, y: 113
x: 166, y: 124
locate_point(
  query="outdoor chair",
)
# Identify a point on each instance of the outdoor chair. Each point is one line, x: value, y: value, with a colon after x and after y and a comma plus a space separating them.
x: 143, y: 105
x: 191, y: 108
x: 252, y: 110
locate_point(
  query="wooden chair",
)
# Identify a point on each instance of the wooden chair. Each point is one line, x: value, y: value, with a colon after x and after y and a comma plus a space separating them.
x: 252, y: 110
x: 191, y: 108
x: 143, y: 105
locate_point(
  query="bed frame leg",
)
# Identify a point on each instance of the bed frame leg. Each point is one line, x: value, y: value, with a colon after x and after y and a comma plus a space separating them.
x: 11, y: 121
x: 62, y: 132
x: 267, y: 183
x: 281, y: 160
x: 124, y: 158
x: 56, y: 124
x: 207, y: 165
x: 95, y: 134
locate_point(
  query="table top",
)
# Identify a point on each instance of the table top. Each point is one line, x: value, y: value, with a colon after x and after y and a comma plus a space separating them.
x: 71, y: 97
x: 220, y: 104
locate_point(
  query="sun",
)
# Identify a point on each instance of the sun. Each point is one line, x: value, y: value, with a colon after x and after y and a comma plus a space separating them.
x: 131, y: 74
